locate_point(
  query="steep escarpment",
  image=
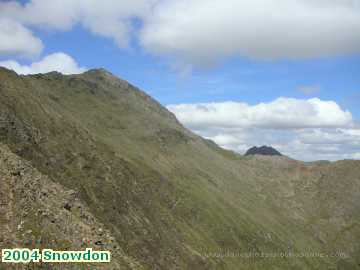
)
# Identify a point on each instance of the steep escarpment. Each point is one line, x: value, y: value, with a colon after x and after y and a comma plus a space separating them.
x: 167, y: 198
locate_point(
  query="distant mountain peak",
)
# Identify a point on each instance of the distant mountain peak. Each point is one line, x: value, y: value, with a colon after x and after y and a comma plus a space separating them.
x: 263, y: 150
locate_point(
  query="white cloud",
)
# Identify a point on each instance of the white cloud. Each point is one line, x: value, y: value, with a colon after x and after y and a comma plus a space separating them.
x: 304, y: 129
x: 356, y: 155
x: 60, y: 62
x: 282, y: 113
x: 108, y: 18
x: 202, y: 31
x: 15, y: 39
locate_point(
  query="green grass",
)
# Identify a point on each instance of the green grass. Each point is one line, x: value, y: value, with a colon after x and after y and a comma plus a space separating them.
x: 165, y: 194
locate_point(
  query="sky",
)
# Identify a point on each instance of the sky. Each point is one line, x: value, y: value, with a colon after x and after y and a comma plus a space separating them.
x: 284, y: 73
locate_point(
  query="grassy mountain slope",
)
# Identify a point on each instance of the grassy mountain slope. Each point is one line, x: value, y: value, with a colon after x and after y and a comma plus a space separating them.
x: 167, y: 196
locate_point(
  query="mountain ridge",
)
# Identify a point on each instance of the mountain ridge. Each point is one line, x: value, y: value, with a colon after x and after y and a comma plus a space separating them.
x: 167, y: 196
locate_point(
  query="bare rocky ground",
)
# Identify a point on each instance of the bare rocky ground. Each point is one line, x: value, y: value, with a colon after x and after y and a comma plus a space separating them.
x: 38, y: 213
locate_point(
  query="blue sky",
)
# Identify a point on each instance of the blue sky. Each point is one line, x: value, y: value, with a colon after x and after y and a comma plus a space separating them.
x: 163, y: 48
x: 237, y: 78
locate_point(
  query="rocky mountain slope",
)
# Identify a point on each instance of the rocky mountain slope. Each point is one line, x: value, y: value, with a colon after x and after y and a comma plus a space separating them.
x: 39, y: 213
x: 92, y: 157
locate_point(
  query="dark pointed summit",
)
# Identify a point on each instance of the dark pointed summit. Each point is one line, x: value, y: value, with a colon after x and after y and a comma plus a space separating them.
x: 263, y: 150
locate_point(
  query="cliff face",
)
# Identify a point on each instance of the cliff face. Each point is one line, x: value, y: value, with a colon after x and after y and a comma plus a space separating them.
x: 119, y: 169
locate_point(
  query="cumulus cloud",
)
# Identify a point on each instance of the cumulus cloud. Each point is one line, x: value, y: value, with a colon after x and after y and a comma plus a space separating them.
x: 59, y: 62
x: 282, y: 113
x: 203, y: 31
x: 304, y: 129
x: 17, y: 40
x: 107, y: 18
